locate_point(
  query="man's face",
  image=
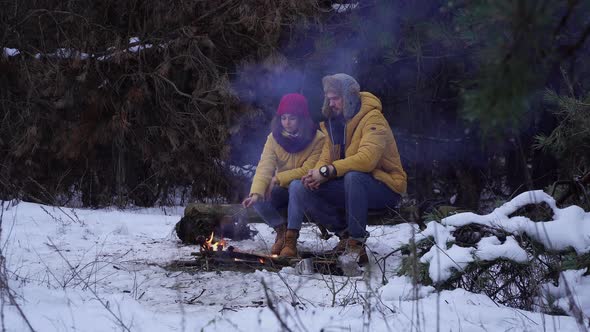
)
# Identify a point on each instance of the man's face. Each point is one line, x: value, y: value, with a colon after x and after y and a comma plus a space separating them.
x: 335, y: 102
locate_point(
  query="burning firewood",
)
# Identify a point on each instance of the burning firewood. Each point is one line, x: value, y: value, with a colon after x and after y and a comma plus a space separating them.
x: 216, y: 254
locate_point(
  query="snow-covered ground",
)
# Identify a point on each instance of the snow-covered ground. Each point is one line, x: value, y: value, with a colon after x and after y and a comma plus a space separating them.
x: 104, y: 270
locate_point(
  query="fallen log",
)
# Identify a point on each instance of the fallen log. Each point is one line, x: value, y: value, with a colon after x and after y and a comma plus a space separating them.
x: 375, y: 217
x: 231, y: 221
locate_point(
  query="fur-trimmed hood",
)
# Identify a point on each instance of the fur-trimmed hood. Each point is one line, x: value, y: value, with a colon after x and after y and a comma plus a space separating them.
x: 346, y: 86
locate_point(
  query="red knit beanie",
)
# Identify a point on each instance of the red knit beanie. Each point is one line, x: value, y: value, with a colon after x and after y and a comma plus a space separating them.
x: 293, y: 103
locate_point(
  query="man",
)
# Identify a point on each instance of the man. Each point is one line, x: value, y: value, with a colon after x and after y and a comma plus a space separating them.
x: 359, y: 169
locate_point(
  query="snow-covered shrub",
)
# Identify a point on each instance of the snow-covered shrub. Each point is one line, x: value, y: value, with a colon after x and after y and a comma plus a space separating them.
x: 506, y: 255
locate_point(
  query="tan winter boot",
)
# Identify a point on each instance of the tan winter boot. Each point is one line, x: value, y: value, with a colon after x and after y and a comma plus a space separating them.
x: 279, y: 240
x: 357, y: 250
x: 290, y: 248
x: 340, y: 247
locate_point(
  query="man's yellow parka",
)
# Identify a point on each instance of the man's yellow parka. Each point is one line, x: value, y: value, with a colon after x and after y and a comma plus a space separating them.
x: 370, y: 147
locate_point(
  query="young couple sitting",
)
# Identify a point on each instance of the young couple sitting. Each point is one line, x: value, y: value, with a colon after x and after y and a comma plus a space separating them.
x: 335, y: 175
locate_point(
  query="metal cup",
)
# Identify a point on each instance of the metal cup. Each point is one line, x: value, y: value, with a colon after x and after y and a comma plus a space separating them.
x: 304, y: 266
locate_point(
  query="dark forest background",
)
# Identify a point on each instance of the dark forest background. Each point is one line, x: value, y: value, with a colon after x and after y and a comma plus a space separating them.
x: 147, y: 102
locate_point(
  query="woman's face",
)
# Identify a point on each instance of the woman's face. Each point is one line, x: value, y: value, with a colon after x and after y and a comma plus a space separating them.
x: 290, y: 123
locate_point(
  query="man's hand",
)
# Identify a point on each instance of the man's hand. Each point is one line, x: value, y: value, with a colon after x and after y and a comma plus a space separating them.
x: 313, y: 179
x: 273, y: 182
x: 306, y: 178
x: 251, y: 200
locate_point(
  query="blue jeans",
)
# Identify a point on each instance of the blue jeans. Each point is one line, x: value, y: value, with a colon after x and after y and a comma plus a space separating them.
x: 270, y: 211
x: 355, y: 193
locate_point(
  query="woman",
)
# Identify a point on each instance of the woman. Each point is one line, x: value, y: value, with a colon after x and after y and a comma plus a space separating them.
x: 292, y: 148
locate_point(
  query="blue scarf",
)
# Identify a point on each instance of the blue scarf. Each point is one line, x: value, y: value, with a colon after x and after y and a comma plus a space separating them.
x: 337, y: 133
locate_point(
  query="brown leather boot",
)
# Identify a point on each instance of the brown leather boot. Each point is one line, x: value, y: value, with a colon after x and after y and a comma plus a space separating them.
x: 279, y: 240
x: 357, y: 250
x: 290, y: 248
x: 340, y: 247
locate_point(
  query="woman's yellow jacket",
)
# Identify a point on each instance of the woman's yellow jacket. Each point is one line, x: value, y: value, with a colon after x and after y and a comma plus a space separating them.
x: 288, y: 166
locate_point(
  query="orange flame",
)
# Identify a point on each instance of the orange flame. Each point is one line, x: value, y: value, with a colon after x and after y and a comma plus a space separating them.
x: 214, y: 246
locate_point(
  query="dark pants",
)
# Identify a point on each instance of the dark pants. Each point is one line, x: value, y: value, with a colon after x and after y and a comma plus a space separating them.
x: 355, y: 193
x: 270, y: 211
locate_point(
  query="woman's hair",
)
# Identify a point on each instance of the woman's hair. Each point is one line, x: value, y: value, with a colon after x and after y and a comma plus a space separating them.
x: 307, y: 128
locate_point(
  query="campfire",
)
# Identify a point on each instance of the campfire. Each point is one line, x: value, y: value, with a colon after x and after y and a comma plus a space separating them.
x: 209, y: 245
x: 219, y: 252
x: 218, y: 255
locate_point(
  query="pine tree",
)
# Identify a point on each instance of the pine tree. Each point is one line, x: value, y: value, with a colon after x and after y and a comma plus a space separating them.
x: 570, y: 140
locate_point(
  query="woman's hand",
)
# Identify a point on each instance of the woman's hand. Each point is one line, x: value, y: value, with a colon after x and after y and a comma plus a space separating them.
x: 251, y: 200
x: 273, y: 182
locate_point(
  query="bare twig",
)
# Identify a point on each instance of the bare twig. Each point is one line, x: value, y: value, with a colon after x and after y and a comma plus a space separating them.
x: 4, y: 287
x: 273, y: 308
x: 101, y: 301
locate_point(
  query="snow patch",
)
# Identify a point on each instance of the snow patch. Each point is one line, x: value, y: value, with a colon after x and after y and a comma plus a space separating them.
x: 570, y: 228
x: 9, y: 52
x: 344, y: 7
x: 137, y: 48
x: 401, y: 288
x: 118, y: 259
x: 442, y: 262
x: 490, y: 248
x: 574, y: 283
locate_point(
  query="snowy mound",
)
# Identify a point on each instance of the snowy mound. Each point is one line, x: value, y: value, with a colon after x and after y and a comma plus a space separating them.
x: 570, y: 228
